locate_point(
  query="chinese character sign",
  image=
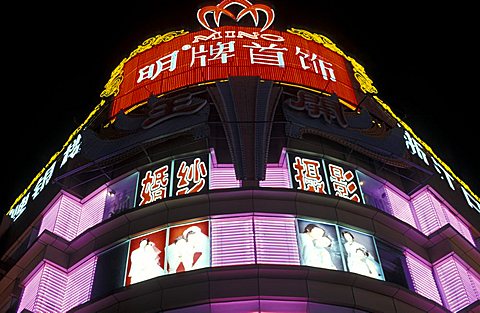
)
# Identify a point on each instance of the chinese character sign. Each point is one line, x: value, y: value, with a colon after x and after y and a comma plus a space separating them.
x: 45, y: 180
x: 154, y: 184
x: 233, y: 51
x: 191, y: 176
x: 343, y: 182
x: 307, y: 174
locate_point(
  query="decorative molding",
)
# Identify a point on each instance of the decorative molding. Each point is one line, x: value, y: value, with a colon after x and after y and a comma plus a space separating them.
x: 113, y: 85
x: 366, y: 84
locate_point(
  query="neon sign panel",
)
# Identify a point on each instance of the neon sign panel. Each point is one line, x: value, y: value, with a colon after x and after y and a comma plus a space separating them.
x: 204, y: 56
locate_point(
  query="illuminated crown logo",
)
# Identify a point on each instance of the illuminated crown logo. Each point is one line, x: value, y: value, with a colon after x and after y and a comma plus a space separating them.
x: 248, y: 8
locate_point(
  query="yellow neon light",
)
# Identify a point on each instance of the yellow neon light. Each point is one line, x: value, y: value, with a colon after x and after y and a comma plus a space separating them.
x: 113, y: 85
x: 111, y: 88
x: 366, y: 84
x: 426, y: 146
x: 54, y: 157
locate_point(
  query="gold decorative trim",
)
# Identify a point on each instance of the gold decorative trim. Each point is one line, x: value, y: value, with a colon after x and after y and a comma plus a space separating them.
x: 112, y: 87
x: 54, y: 157
x: 425, y: 146
x: 366, y: 84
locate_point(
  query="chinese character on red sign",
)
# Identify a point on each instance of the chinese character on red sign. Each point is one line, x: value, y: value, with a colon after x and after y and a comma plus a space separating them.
x: 343, y: 183
x: 154, y: 185
x: 187, y: 175
x: 307, y: 175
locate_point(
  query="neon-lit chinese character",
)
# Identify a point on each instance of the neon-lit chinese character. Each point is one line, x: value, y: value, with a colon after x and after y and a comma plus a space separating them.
x: 307, y: 175
x: 194, y: 173
x: 72, y: 150
x: 165, y: 63
x: 472, y: 202
x: 271, y: 55
x: 415, y: 147
x: 19, y: 208
x: 154, y: 185
x: 443, y: 173
x: 43, y: 181
x: 319, y: 106
x: 342, y: 183
x: 312, y: 61
x: 220, y: 51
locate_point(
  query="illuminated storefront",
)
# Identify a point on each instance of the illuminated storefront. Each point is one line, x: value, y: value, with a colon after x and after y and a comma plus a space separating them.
x: 242, y: 169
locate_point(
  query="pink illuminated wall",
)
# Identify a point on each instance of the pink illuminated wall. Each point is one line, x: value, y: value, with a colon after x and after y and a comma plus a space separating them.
x: 52, y: 289
x: 31, y: 289
x: 249, y: 239
x: 277, y: 175
x: 68, y: 216
x: 459, y: 283
x: 222, y: 175
x: 63, y: 217
x: 276, y: 240
x: 79, y: 284
x: 422, y: 277
x: 399, y: 206
x: 432, y: 213
x: 92, y: 211
x: 232, y: 240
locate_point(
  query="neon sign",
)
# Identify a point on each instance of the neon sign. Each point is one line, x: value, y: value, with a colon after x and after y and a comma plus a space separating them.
x: 177, y: 178
x: 204, y: 56
x: 247, y: 8
x: 71, y: 151
x: 324, y: 177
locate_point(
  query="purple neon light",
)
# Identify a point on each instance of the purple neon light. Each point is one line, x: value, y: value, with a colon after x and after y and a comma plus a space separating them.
x: 68, y: 217
x: 30, y: 290
x: 50, y: 217
x: 422, y: 277
x: 427, y: 213
x: 79, y: 284
x: 222, y: 176
x: 432, y: 213
x: 92, y: 211
x: 400, y: 207
x: 276, y: 240
x: 52, y: 289
x: 62, y: 217
x: 232, y: 240
x: 45, y: 290
x: 277, y: 174
x: 460, y: 284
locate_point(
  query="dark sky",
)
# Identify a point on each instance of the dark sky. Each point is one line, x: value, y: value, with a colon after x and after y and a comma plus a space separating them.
x: 57, y: 59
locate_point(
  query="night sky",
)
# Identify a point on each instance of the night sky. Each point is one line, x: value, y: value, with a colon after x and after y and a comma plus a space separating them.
x: 57, y: 60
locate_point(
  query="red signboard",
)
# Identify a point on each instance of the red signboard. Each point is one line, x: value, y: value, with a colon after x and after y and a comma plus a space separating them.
x: 205, y: 56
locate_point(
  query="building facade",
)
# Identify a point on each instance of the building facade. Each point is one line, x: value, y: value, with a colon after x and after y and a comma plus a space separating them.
x: 242, y: 168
